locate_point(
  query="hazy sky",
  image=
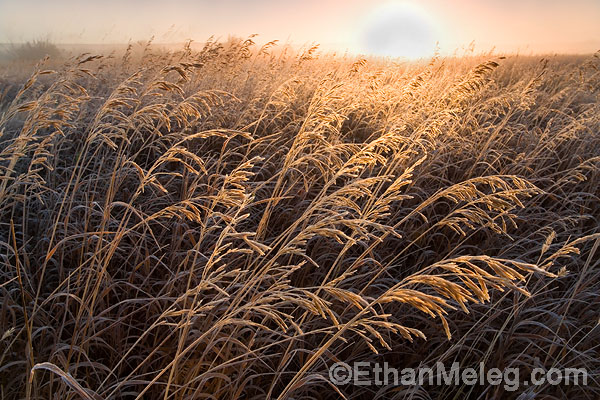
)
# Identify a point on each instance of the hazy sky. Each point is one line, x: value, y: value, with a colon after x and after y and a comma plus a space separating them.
x: 377, y: 26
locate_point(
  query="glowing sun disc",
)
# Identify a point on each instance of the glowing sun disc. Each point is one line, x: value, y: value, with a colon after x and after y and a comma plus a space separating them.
x: 398, y: 30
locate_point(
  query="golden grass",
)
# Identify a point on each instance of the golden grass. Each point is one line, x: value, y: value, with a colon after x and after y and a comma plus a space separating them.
x: 230, y: 222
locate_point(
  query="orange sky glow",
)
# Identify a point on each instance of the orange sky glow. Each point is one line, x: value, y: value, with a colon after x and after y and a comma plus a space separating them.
x: 385, y: 27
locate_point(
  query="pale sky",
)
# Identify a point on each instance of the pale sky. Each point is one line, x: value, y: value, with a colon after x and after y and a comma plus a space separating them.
x: 389, y: 27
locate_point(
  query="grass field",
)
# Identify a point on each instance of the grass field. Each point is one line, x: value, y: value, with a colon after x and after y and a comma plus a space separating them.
x: 229, y: 222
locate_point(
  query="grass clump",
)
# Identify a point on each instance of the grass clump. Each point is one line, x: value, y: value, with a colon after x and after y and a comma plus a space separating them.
x: 31, y: 51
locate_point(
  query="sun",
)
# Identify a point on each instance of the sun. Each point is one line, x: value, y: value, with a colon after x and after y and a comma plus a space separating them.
x: 398, y: 29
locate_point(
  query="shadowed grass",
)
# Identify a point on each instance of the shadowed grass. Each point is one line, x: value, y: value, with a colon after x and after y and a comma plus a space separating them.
x: 230, y: 222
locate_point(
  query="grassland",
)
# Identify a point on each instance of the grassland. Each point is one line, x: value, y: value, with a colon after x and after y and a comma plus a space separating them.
x: 229, y: 222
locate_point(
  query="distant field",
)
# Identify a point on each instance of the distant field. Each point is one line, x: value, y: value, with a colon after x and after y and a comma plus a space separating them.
x: 229, y: 221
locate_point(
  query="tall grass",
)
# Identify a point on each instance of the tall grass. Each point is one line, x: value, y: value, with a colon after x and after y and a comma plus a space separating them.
x: 229, y: 222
